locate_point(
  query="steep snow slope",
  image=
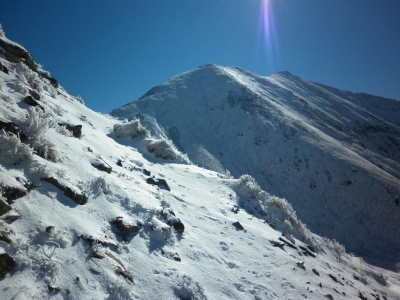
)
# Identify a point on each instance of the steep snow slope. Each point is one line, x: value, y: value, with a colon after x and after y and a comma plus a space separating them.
x: 85, y: 224
x: 333, y: 155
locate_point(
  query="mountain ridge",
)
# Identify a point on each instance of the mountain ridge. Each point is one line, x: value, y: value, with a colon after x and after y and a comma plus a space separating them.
x: 283, y: 111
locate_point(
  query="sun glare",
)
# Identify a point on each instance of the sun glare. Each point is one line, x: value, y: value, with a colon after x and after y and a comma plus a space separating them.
x: 268, y: 31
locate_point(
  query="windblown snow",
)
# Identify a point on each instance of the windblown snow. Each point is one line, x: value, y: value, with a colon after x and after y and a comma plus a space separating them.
x: 95, y: 207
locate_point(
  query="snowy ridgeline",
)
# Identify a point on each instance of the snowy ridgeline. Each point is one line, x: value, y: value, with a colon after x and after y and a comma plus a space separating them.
x: 93, y: 207
x: 334, y: 155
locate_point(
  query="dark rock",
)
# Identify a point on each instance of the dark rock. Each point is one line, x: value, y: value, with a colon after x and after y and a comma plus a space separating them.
x: 102, y: 166
x: 158, y: 182
x: 125, y: 227
x: 97, y: 254
x: 119, y: 163
x: 13, y: 128
x: 4, y: 237
x: 112, y: 256
x: 7, y: 263
x: 53, y: 288
x: 4, y: 207
x: 397, y: 201
x: 361, y: 296
x: 15, y: 53
x: 34, y: 94
x: 178, y: 226
x: 146, y: 172
x: 12, y: 58
x: 11, y: 218
x: 329, y: 296
x: 121, y: 271
x: 75, y: 129
x: 235, y: 209
x: 287, y: 243
x: 306, y: 251
x: 176, y: 257
x: 315, y: 272
x: 333, y: 278
x: 238, y: 225
x: 49, y: 229
x: 81, y: 199
x: 32, y: 102
x: 3, y: 68
x: 12, y: 193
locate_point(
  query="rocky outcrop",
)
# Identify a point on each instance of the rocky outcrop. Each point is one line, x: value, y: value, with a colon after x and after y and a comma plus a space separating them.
x: 7, y: 263
x: 125, y: 226
x: 16, y: 54
x: 81, y: 199
x: 4, y: 207
x: 158, y: 182
x: 13, y: 128
x: 75, y: 129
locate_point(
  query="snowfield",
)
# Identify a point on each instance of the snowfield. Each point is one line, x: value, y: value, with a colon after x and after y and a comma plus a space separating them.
x: 88, y: 210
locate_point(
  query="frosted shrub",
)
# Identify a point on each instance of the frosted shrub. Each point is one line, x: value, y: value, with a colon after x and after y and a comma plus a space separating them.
x: 99, y: 185
x: 11, y: 148
x: 120, y: 290
x: 278, y: 210
x: 166, y: 150
x: 2, y: 33
x: 36, y: 127
x: 131, y: 130
x: 79, y: 99
x: 187, y: 288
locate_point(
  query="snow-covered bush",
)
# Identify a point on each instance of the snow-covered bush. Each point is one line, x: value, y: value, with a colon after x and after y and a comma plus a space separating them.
x: 100, y: 186
x: 29, y: 77
x: 36, y: 126
x: 166, y: 150
x: 11, y: 148
x: 120, y: 290
x: 187, y: 288
x: 79, y: 99
x: 278, y: 211
x: 133, y: 130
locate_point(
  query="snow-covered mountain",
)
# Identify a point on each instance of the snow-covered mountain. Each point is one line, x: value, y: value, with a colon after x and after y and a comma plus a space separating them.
x: 92, y: 207
x: 334, y: 155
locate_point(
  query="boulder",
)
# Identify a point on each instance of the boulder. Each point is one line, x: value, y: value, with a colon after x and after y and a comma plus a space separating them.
x: 238, y: 225
x: 125, y: 226
x: 7, y: 263
x: 75, y: 129
x: 4, y: 237
x: 35, y: 95
x: 4, y: 207
x: 158, y: 182
x: 101, y: 165
x: 12, y: 193
x: 81, y: 199
x: 121, y: 271
x: 3, y: 68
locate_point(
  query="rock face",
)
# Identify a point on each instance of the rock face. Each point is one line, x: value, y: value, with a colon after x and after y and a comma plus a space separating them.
x: 334, y: 155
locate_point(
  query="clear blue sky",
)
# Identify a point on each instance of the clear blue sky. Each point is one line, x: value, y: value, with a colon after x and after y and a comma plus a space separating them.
x: 112, y: 52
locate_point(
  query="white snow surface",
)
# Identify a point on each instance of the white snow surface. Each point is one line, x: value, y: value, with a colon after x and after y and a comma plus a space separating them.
x: 76, y: 250
x: 334, y: 155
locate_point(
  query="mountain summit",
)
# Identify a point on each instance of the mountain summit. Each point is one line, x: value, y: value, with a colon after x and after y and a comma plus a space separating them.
x: 334, y: 155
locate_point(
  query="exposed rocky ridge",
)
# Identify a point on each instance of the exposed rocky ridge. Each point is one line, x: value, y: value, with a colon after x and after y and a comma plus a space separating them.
x: 333, y: 154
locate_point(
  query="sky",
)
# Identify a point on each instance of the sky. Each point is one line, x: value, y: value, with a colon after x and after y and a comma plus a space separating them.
x: 112, y: 52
